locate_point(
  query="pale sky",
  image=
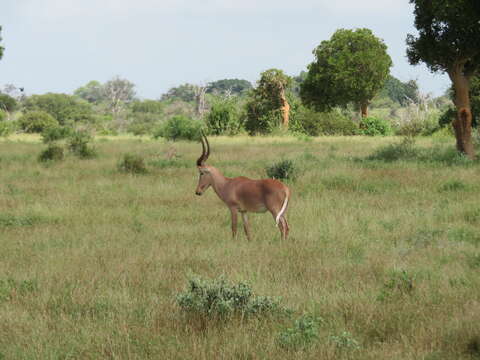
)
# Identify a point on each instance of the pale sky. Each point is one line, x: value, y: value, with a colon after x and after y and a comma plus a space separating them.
x: 60, y: 45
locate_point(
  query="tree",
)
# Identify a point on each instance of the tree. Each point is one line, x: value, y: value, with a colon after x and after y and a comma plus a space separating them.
x: 1, y: 47
x: 118, y: 92
x: 93, y: 92
x: 268, y: 103
x: 448, y: 41
x: 185, y: 92
x: 350, y: 67
x: 64, y: 108
x: 147, y: 106
x: 7, y: 103
x: 229, y: 87
x: 403, y: 93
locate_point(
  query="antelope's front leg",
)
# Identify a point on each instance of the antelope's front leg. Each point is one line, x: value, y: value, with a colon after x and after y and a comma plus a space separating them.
x: 234, y: 222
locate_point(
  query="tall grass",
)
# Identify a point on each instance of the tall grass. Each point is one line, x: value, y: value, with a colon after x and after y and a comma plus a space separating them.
x: 92, y: 260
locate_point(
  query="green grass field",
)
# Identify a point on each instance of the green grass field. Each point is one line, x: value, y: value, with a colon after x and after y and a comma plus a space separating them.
x: 386, y: 254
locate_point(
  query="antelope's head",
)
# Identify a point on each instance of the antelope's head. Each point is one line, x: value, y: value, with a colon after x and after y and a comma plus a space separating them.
x: 205, y: 179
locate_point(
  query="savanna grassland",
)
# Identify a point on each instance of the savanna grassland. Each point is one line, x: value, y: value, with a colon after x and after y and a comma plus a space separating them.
x: 384, y: 254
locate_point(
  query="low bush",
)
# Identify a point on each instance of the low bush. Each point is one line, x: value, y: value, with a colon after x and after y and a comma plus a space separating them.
x: 6, y: 128
x: 55, y: 133
x: 223, y: 118
x: 218, y: 298
x: 315, y: 123
x: 53, y: 152
x: 36, y: 121
x: 142, y: 123
x: 179, y: 127
x: 345, y: 341
x: 405, y: 150
x: 282, y: 170
x: 133, y: 164
x: 79, y: 144
x: 372, y: 126
x: 302, y: 335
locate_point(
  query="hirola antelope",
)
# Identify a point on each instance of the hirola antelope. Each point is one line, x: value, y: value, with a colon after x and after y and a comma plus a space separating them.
x: 243, y: 195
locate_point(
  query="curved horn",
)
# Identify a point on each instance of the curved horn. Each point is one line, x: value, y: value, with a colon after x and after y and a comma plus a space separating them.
x: 201, y: 159
x: 208, y: 148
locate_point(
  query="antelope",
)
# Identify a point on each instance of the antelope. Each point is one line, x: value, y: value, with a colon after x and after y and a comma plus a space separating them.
x: 243, y: 195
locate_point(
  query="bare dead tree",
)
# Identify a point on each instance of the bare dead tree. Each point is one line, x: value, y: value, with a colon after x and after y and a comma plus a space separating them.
x: 200, y: 91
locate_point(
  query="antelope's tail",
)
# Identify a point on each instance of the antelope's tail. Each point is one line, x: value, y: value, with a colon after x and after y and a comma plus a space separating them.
x: 284, y: 207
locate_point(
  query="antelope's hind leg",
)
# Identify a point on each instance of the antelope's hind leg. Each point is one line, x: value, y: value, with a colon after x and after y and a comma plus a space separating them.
x: 285, y: 226
x: 246, y: 225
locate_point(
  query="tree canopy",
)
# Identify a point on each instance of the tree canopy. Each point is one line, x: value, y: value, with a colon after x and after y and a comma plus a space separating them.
x: 93, y: 92
x: 185, y: 92
x: 64, y: 108
x: 448, y: 40
x: 351, y: 67
x: 232, y: 86
x: 7, y: 103
x: 400, y: 92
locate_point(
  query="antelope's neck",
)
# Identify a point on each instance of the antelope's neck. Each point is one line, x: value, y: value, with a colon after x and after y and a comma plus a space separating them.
x: 219, y: 183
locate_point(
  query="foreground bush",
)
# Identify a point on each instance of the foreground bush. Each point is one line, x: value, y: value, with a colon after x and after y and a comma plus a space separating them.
x: 218, y: 298
x: 133, y: 164
x: 179, y: 127
x: 36, y: 121
x: 282, y: 170
x: 372, y: 126
x: 53, y: 152
x: 79, y: 144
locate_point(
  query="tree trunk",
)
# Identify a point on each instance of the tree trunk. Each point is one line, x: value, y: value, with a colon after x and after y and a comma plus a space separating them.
x: 364, y: 109
x: 462, y: 124
x: 285, y: 109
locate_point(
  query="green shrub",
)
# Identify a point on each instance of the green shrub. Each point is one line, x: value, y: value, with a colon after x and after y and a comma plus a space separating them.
x: 415, y: 127
x: 53, y: 152
x: 66, y: 109
x: 345, y: 341
x: 447, y: 117
x: 218, y: 298
x: 133, y: 164
x: 302, y: 335
x: 405, y: 150
x: 6, y: 128
x: 223, y: 118
x: 142, y: 123
x: 2, y: 115
x: 454, y: 185
x: 55, y: 133
x: 372, y: 126
x: 179, y: 127
x: 283, y: 170
x: 316, y: 123
x: 36, y: 121
x: 79, y: 144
